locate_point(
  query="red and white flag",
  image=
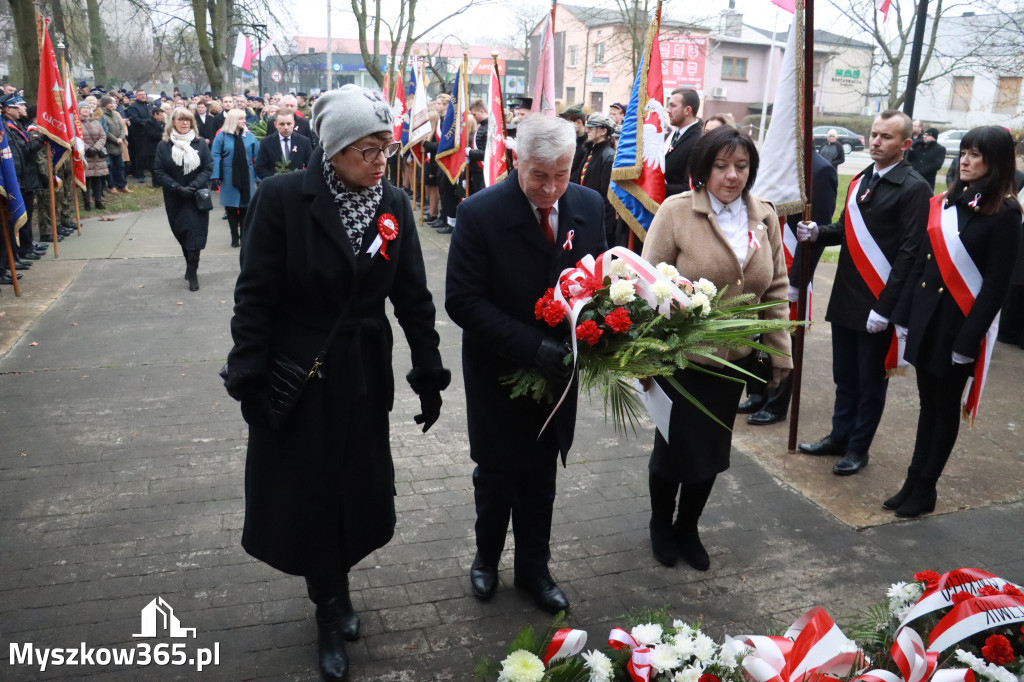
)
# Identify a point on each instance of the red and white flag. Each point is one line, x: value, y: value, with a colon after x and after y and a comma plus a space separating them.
x: 243, y: 53
x: 398, y: 105
x: 883, y: 7
x: 544, y: 87
x: 75, y: 126
x: 51, y: 116
x: 495, y: 163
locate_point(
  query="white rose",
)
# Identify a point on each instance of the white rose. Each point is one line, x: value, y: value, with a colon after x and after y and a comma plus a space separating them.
x: 706, y: 287
x: 700, y: 300
x: 668, y: 270
x: 662, y: 290
x: 622, y: 292
x: 704, y: 647
x: 647, y: 634
x: 664, y: 657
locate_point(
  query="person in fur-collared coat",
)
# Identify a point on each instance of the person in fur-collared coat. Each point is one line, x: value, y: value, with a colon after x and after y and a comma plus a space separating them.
x: 323, y: 246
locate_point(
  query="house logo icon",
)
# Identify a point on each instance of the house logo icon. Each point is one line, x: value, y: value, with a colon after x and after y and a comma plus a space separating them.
x: 158, y: 616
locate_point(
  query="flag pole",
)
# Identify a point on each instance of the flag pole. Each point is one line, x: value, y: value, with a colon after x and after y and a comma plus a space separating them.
x: 5, y: 219
x: 804, y: 248
x: 49, y: 152
x: 464, y: 86
x: 74, y: 190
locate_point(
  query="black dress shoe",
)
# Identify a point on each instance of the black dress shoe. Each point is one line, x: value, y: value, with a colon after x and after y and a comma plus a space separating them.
x: 446, y: 229
x: 546, y: 594
x: 483, y: 579
x: 851, y: 463
x: 751, y: 405
x: 31, y: 255
x: 764, y: 417
x: 825, y: 446
x: 42, y: 245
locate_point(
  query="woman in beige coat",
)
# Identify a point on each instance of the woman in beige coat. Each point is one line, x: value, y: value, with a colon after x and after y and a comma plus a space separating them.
x: 96, y: 170
x: 719, y: 232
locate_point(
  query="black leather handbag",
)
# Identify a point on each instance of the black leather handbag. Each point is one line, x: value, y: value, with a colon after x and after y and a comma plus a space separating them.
x: 204, y: 202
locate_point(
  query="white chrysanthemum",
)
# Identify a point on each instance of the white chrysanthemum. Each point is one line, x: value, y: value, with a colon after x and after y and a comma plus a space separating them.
x: 668, y: 270
x: 647, y: 634
x: 683, y: 642
x: 989, y: 670
x: 664, y: 657
x: 521, y: 666
x: 731, y: 652
x: 678, y: 624
x: 706, y: 287
x: 662, y: 290
x: 700, y: 300
x: 689, y: 674
x: 704, y: 648
x: 895, y: 590
x: 622, y: 292
x: 619, y: 268
x: 600, y: 666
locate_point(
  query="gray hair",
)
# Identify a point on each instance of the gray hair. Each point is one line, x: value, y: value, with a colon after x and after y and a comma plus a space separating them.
x: 545, y: 139
x: 832, y: 131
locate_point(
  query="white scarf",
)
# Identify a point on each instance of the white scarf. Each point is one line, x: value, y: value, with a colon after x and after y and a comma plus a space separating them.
x: 182, y: 152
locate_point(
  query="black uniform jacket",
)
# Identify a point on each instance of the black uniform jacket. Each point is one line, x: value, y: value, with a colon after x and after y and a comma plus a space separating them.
x: 936, y: 326
x: 319, y: 490
x: 896, y: 214
x: 677, y: 160
x: 270, y: 154
x: 825, y: 183
x: 499, y: 264
x: 25, y: 146
x: 927, y: 158
x: 598, y: 177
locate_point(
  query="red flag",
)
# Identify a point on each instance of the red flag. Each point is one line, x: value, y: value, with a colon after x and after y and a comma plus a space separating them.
x: 51, y: 116
x: 75, y: 125
x: 495, y: 165
x: 398, y: 105
x: 883, y: 7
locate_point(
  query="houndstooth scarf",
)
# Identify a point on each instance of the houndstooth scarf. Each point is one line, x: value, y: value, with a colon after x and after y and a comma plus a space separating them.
x: 357, y: 207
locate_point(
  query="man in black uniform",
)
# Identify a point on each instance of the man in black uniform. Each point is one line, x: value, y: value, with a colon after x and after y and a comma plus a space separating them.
x: 478, y: 146
x: 926, y: 156
x: 574, y: 115
x: 138, y: 114
x: 880, y: 229
x: 682, y: 108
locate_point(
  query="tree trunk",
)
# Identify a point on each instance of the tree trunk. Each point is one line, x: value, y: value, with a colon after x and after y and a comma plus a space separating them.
x: 213, y: 61
x: 96, y: 40
x: 26, y: 35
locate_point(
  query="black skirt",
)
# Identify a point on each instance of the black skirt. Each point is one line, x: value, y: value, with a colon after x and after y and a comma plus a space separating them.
x: 699, y: 447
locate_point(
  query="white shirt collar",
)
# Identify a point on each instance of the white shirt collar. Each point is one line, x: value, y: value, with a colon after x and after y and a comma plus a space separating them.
x: 683, y: 130
x: 881, y: 173
x: 554, y: 209
x: 718, y: 206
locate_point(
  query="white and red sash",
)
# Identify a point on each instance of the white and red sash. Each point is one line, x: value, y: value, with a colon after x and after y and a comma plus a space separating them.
x: 872, y: 266
x: 963, y: 280
x: 789, y: 246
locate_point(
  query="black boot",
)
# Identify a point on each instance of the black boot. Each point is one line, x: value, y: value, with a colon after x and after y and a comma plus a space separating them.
x: 903, y: 495
x: 192, y: 269
x: 921, y: 499
x: 692, y: 498
x: 663, y: 505
x: 233, y: 226
x: 334, y: 616
x: 775, y: 406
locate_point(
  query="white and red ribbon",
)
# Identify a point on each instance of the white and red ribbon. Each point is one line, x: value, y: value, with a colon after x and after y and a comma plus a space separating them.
x: 567, y: 246
x: 566, y: 642
x: 964, y: 281
x: 871, y: 263
x: 639, y: 665
x: 972, y: 616
x: 940, y: 595
x: 753, y: 243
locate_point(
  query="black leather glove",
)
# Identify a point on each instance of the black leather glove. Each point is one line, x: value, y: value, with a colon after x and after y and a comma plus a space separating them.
x: 430, y: 409
x: 257, y: 412
x: 550, y: 359
x: 185, y: 192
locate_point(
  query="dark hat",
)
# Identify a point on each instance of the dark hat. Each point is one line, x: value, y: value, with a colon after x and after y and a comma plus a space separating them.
x: 573, y: 111
x: 521, y: 103
x: 599, y: 120
x: 11, y: 100
x: 620, y: 106
x: 301, y: 94
x: 97, y: 92
x: 82, y: 84
x: 208, y: 93
x: 934, y: 132
x: 257, y: 99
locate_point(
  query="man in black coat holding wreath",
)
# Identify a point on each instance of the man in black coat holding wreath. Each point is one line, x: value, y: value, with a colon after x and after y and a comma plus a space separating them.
x: 511, y: 242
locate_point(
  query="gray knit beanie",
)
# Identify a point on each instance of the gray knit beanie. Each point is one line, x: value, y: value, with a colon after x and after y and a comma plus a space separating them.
x: 342, y: 116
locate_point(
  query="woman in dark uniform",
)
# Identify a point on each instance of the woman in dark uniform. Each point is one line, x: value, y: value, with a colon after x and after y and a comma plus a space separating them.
x: 952, y: 297
x: 327, y: 244
x: 720, y: 232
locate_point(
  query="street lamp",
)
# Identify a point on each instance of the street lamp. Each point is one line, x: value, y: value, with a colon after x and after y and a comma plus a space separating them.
x: 261, y: 33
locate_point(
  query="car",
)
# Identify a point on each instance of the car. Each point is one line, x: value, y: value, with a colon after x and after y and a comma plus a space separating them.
x: 950, y: 139
x: 851, y: 141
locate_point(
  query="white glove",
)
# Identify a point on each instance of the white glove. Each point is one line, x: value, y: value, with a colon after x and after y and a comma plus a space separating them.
x: 794, y: 294
x: 961, y: 359
x: 901, y: 333
x: 876, y: 322
x: 807, y: 232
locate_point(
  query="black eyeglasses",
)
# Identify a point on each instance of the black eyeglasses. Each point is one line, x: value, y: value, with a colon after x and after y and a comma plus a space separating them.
x: 370, y: 153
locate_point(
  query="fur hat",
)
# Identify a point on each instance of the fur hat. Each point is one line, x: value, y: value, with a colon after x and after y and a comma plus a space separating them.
x: 342, y: 116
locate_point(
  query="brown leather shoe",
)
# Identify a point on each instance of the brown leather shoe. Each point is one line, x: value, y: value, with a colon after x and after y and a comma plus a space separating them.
x: 113, y: 190
x: 127, y: 190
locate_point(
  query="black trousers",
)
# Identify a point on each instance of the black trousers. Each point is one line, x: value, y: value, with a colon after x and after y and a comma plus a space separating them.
x: 527, y: 496
x: 449, y: 196
x: 858, y: 369
x: 938, y: 424
x: 25, y: 231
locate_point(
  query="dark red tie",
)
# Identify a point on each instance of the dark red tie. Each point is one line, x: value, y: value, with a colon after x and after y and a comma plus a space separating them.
x: 545, y: 224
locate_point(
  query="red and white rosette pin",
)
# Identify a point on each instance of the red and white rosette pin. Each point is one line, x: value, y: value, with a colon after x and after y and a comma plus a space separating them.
x: 566, y: 642
x: 387, y: 231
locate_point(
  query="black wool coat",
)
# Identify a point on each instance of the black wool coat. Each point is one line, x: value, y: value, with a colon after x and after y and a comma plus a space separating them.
x: 270, y: 154
x: 319, y: 490
x: 499, y: 264
x: 896, y: 215
x: 598, y: 177
x: 152, y: 133
x: 677, y: 160
x: 189, y: 225
x: 927, y: 158
x: 936, y: 327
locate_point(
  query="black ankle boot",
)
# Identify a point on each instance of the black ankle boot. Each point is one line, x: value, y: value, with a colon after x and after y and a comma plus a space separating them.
x: 692, y: 499
x: 331, y: 653
x: 663, y: 505
x: 348, y: 618
x: 234, y: 236
x: 692, y: 550
x: 192, y: 269
x: 921, y: 499
x: 902, y: 496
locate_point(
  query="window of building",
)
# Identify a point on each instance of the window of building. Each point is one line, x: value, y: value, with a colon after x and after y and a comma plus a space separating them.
x: 310, y: 50
x: 572, y: 56
x: 597, y: 101
x: 570, y: 95
x: 1008, y: 95
x: 963, y: 87
x: 599, y: 54
x: 734, y: 68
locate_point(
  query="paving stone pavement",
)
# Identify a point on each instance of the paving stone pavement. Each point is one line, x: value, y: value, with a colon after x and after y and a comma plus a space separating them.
x: 121, y: 470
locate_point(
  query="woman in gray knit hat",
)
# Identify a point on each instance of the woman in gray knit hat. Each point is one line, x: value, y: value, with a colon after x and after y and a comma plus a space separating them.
x: 322, y: 250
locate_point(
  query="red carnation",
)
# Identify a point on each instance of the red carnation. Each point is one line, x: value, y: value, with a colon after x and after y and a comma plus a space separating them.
x: 554, y: 312
x: 708, y: 677
x: 589, y: 331
x: 998, y: 650
x: 930, y: 578
x: 618, y: 320
x: 1012, y: 591
x: 593, y: 284
x: 542, y: 302
x: 988, y: 591
x: 960, y: 597
x: 564, y: 286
